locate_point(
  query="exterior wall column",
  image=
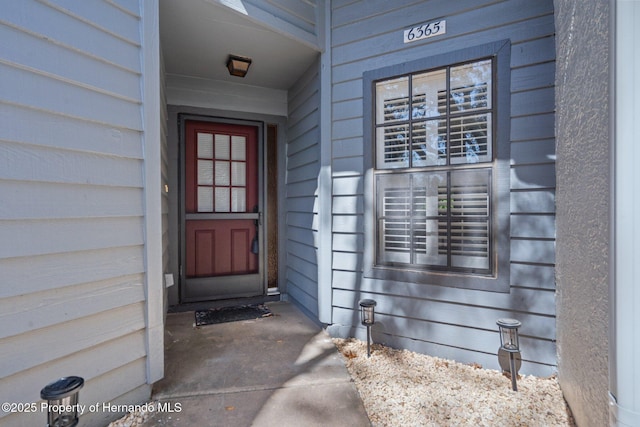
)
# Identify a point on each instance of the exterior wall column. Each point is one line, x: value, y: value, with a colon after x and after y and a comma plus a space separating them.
x: 325, y: 280
x: 583, y: 205
x: 154, y: 284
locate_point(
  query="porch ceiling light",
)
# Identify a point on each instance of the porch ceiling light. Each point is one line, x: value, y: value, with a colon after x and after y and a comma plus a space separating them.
x: 62, y: 401
x: 367, y: 318
x: 510, y: 342
x: 238, y: 65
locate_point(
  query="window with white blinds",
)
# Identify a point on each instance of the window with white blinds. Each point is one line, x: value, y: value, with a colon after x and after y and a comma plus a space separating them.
x: 433, y: 169
x: 446, y: 120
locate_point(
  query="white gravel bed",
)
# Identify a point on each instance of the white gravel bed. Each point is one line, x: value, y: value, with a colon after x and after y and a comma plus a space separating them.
x: 132, y: 419
x: 403, y: 388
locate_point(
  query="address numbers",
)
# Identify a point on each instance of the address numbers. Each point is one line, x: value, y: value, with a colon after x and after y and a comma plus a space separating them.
x: 424, y: 31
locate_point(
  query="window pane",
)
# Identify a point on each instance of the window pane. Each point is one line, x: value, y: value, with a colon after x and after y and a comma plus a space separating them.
x: 427, y: 197
x: 223, y: 199
x: 205, y: 146
x: 469, y: 204
x: 428, y: 238
x: 238, y: 200
x: 427, y: 89
x: 223, y: 173
x: 205, y: 172
x: 470, y: 139
x: 394, y: 195
x: 238, y: 174
x: 238, y: 148
x: 469, y: 244
x: 392, y: 100
x: 394, y: 208
x: 205, y: 199
x: 470, y: 192
x: 429, y: 212
x: 396, y: 202
x: 429, y: 143
x: 392, y: 147
x: 394, y: 237
x: 471, y: 87
x: 222, y: 147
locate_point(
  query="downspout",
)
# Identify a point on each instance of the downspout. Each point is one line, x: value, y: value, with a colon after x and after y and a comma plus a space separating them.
x: 325, y: 293
x: 150, y: 110
x: 624, y: 375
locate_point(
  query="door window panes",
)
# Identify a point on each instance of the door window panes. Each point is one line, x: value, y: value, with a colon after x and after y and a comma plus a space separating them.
x: 221, y: 173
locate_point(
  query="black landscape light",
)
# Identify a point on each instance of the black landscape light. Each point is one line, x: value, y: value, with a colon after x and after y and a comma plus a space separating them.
x: 62, y: 401
x: 367, y: 318
x: 510, y: 342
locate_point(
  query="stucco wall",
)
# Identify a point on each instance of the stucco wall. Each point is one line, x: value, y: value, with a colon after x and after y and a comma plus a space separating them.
x: 582, y: 123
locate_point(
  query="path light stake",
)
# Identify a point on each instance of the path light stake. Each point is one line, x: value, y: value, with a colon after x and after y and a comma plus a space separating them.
x: 62, y: 401
x: 510, y: 343
x: 367, y: 317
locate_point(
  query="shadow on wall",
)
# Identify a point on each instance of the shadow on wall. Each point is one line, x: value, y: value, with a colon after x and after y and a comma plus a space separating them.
x: 452, y: 322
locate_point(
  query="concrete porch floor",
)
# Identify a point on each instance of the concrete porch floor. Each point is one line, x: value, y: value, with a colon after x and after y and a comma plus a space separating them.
x: 281, y: 370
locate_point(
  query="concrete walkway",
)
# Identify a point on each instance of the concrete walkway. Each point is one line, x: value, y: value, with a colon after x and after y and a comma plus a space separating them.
x: 280, y: 371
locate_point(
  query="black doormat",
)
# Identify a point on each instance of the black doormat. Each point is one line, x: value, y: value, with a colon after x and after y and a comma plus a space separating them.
x: 231, y: 314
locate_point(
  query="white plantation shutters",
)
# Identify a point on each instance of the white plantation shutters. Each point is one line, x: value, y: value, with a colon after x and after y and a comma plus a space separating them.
x: 469, y: 219
x: 439, y: 219
x: 433, y: 174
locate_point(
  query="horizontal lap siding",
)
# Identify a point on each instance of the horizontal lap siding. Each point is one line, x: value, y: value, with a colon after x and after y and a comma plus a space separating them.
x: 72, y: 211
x: 124, y: 351
x: 450, y: 322
x: 303, y: 167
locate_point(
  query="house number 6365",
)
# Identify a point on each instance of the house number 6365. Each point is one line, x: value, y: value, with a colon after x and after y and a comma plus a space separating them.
x: 425, y: 31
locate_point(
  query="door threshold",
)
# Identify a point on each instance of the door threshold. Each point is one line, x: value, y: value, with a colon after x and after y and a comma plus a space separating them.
x: 233, y: 302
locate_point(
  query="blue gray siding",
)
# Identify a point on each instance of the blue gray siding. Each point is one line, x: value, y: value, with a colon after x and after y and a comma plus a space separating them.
x: 444, y: 321
x: 72, y: 216
x: 303, y: 168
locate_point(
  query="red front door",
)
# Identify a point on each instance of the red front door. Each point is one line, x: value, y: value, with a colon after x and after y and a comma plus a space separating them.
x: 221, y: 201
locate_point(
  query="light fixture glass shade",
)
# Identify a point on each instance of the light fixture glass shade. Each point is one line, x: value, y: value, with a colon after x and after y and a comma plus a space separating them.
x: 238, y: 65
x: 367, y: 312
x: 509, y: 339
x: 62, y: 400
